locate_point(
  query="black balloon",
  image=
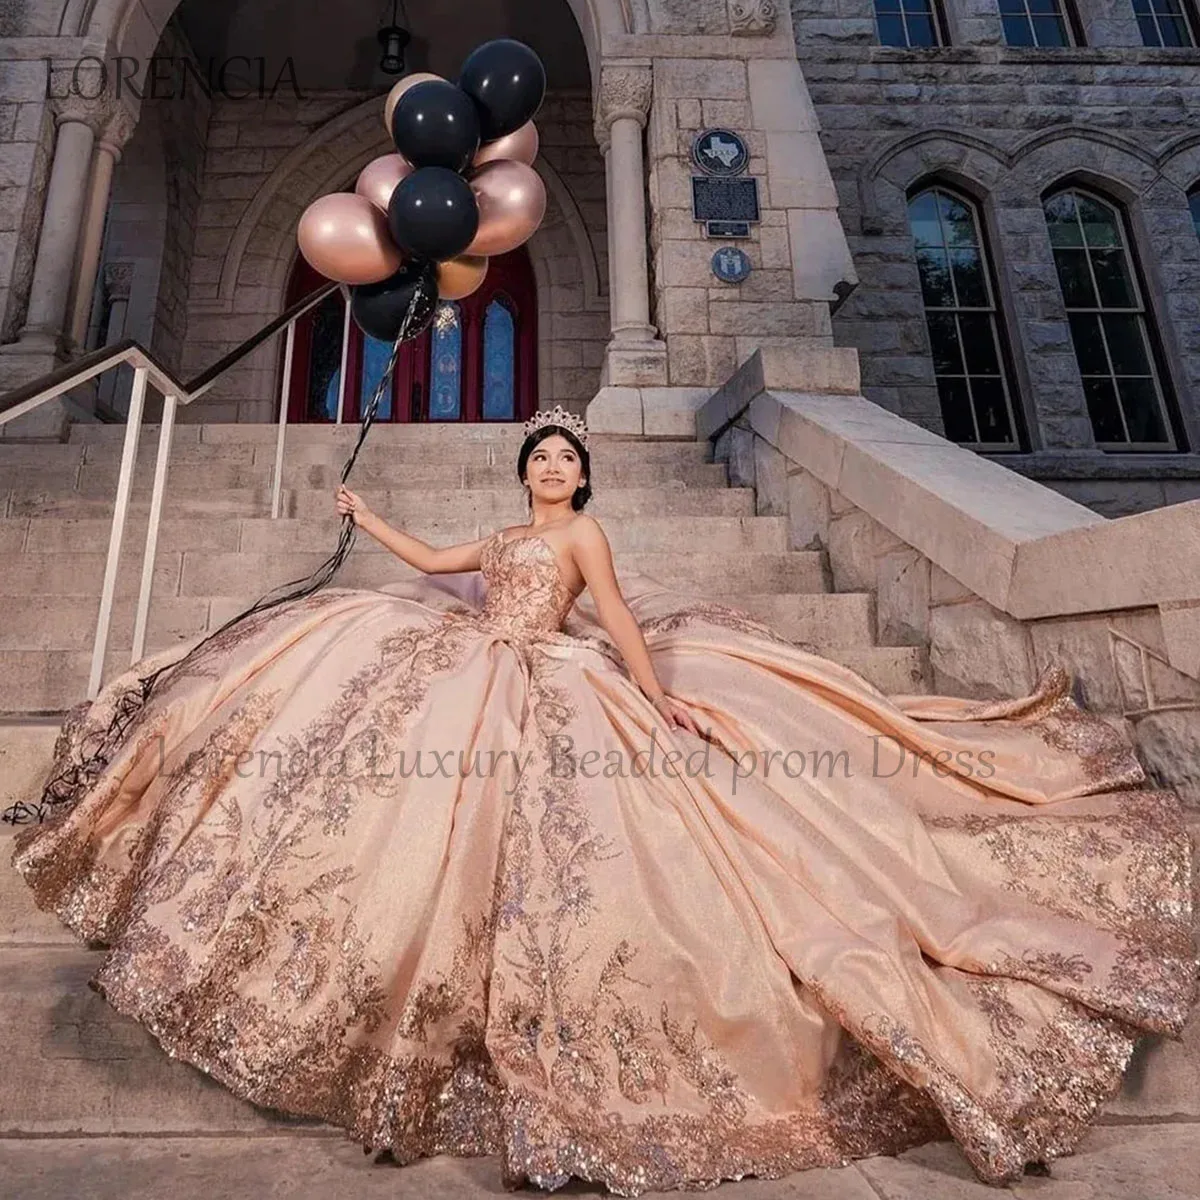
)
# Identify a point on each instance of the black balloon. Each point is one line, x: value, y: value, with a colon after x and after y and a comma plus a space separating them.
x: 433, y: 213
x: 379, y: 309
x: 507, y: 82
x: 436, y: 124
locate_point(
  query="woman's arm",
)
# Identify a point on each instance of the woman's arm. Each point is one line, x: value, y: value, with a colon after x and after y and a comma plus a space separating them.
x: 432, y: 560
x: 593, y: 556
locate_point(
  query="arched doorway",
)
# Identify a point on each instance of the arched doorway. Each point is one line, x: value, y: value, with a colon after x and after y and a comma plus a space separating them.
x: 477, y: 362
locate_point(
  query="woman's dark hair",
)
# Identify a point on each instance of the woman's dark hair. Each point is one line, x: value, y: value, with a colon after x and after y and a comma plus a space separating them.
x: 583, y: 493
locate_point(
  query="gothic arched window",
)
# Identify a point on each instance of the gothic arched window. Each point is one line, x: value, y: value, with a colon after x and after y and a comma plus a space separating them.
x: 909, y: 23
x: 476, y: 362
x: 1194, y: 205
x: 1111, y: 330
x: 965, y: 332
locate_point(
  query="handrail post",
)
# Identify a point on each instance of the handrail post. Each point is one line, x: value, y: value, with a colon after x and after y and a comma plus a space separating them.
x: 284, y: 395
x: 342, y: 381
x: 161, y: 463
x: 133, y: 429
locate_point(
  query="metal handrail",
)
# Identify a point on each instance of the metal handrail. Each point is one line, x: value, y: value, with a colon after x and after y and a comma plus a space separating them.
x: 147, y: 369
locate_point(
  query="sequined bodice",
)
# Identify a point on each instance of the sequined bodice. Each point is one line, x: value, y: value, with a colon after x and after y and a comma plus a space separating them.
x: 526, y: 590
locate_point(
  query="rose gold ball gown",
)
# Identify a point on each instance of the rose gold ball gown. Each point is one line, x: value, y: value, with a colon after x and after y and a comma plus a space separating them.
x: 406, y: 861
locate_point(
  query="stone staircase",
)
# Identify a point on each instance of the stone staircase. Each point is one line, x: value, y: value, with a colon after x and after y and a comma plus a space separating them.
x: 667, y: 509
x: 75, y: 1071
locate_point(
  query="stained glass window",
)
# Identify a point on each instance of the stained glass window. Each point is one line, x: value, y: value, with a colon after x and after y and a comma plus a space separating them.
x: 325, y: 368
x: 1034, y: 23
x: 907, y: 23
x: 499, y: 362
x: 1108, y: 321
x: 1163, y: 23
x: 375, y: 355
x: 960, y: 312
x: 446, y: 364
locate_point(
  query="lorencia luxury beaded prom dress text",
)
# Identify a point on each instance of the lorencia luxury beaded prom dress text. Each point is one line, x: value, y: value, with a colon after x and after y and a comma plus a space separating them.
x: 922, y: 917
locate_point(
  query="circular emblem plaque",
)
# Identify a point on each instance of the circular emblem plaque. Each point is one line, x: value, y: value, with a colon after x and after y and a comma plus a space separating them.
x: 730, y: 265
x: 720, y: 152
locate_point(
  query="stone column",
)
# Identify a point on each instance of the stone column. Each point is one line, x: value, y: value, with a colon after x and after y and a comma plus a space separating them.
x: 636, y: 356
x: 66, y: 195
x: 108, y: 153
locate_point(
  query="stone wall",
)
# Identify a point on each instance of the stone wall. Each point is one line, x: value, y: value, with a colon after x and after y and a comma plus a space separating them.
x: 1002, y: 125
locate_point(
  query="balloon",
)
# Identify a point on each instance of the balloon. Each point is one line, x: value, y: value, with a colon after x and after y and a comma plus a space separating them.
x: 433, y: 213
x: 512, y: 201
x: 461, y: 276
x: 378, y: 179
x: 520, y: 146
x: 507, y: 81
x: 398, y: 90
x: 436, y: 125
x: 379, y: 309
x: 345, y: 237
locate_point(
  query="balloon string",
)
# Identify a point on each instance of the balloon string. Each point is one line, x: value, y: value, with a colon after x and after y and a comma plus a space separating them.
x: 70, y: 782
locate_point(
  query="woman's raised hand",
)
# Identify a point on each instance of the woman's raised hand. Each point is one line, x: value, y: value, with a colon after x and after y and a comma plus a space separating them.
x: 350, y: 503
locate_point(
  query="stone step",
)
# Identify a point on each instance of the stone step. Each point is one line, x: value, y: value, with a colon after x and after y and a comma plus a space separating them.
x: 498, y: 506
x: 499, y: 433
x: 52, y: 681
x: 334, y: 452
x: 56, y: 535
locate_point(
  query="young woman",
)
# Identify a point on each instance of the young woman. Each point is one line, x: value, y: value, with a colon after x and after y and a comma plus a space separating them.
x: 627, y: 887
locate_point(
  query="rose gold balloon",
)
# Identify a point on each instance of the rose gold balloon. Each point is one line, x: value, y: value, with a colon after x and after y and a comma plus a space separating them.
x: 398, y: 90
x: 458, y: 277
x: 521, y: 146
x: 345, y: 237
x: 377, y: 180
x: 512, y: 201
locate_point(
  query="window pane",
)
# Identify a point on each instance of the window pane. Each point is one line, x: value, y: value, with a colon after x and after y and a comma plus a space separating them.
x: 887, y: 6
x: 445, y: 360
x: 1050, y: 31
x: 979, y: 342
x: 1044, y: 7
x: 499, y: 363
x: 991, y: 411
x: 1018, y: 31
x: 943, y: 339
x: 1063, y: 221
x: 957, y: 221
x: 1112, y: 278
x: 1194, y: 205
x: 1142, y: 412
x: 375, y: 355
x: 956, y: 410
x: 969, y: 279
x: 1141, y: 7
x: 1150, y: 34
x: 1010, y: 7
x: 920, y: 31
x: 1089, y: 345
x: 325, y: 361
x: 1075, y: 279
x: 1102, y: 408
x: 935, y: 279
x: 1126, y: 345
x: 891, y: 31
x: 1099, y: 223
x: 923, y: 220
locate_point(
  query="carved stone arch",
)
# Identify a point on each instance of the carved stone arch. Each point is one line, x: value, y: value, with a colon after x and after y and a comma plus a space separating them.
x: 1180, y: 162
x: 1116, y: 164
x: 885, y: 181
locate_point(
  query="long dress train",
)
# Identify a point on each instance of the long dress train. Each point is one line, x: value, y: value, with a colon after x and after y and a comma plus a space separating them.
x: 424, y: 862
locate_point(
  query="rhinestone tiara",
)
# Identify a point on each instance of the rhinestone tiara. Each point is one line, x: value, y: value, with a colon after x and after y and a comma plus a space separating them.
x: 558, y: 416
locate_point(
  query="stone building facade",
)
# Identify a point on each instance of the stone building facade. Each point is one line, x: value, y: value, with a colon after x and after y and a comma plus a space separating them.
x: 169, y: 214
x: 1004, y: 128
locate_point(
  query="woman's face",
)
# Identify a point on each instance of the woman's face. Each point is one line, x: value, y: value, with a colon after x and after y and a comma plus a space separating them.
x: 553, y: 469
